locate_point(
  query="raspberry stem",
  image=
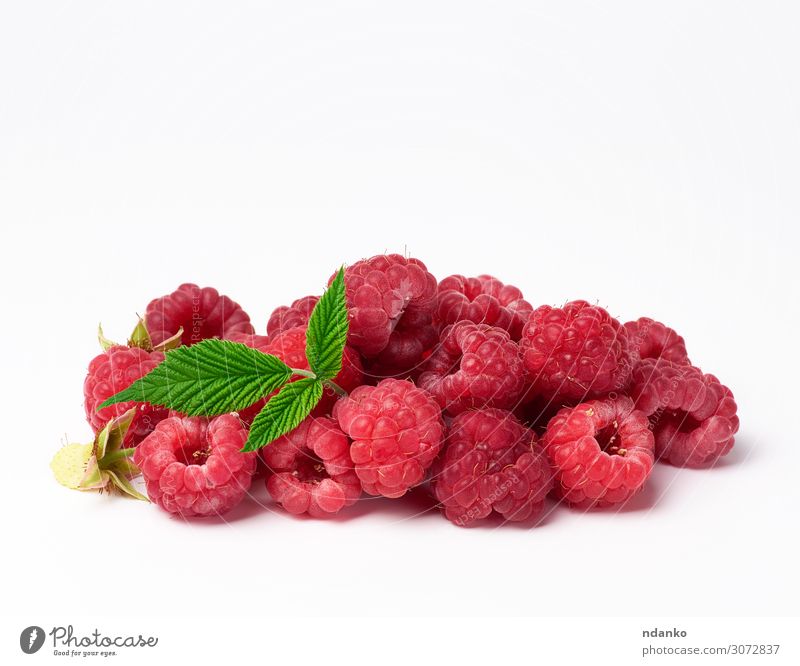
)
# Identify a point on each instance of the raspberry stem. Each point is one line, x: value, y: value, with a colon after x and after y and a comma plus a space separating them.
x: 119, y: 454
x: 338, y: 390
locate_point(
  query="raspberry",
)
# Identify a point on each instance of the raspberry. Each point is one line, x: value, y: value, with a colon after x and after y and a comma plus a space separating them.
x: 111, y: 372
x: 396, y: 430
x: 474, y: 366
x: 602, y: 452
x: 291, y: 316
x: 692, y: 415
x: 413, y: 337
x: 194, y: 467
x: 491, y: 462
x: 312, y: 470
x: 575, y: 352
x: 202, y: 313
x: 482, y: 300
x: 648, y: 338
x: 382, y: 291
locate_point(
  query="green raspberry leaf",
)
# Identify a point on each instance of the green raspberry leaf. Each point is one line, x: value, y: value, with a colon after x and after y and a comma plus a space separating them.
x: 327, y: 330
x: 209, y: 378
x: 284, y: 412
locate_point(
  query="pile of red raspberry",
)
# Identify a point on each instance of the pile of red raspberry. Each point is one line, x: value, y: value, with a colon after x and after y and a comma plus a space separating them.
x: 459, y: 387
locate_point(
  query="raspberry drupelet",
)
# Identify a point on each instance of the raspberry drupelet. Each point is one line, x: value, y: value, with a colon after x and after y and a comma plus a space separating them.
x: 194, y: 467
x: 575, y: 351
x: 602, y: 452
x: 474, y: 366
x: 693, y: 416
x: 311, y: 469
x: 481, y: 300
x: 491, y: 463
x: 202, y: 313
x: 397, y: 432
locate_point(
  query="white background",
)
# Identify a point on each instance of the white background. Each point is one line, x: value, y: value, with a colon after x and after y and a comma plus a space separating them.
x: 644, y: 158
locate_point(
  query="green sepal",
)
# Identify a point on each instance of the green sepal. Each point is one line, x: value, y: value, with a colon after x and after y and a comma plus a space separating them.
x: 105, y: 343
x: 102, y: 465
x: 111, y: 438
x: 94, y: 478
x: 124, y: 485
x: 170, y: 343
x: 140, y: 337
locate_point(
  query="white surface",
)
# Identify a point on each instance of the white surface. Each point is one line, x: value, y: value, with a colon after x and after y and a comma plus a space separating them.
x: 644, y: 158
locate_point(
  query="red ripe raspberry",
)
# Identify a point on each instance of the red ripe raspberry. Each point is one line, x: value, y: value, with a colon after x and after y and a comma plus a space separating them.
x: 602, y: 452
x: 491, y: 462
x: 381, y: 291
x: 291, y: 316
x: 575, y: 351
x: 396, y: 430
x: 692, y: 415
x: 648, y: 338
x: 111, y: 372
x: 202, y: 313
x: 474, y: 366
x: 194, y: 467
x: 482, y: 300
x: 312, y: 470
x: 404, y: 355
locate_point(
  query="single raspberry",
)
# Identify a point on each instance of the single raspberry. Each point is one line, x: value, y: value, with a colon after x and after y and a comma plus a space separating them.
x: 111, y: 372
x: 474, y: 366
x: 291, y: 316
x: 409, y: 344
x: 575, y: 351
x: 194, y: 467
x: 381, y: 291
x: 491, y: 462
x: 290, y: 347
x: 481, y: 300
x: 202, y: 313
x: 396, y: 430
x: 311, y: 469
x: 692, y: 415
x: 648, y: 338
x: 602, y: 452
